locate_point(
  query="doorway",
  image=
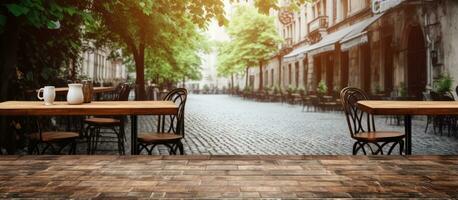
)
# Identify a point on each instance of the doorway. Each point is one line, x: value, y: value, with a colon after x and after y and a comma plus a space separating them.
x: 416, y: 63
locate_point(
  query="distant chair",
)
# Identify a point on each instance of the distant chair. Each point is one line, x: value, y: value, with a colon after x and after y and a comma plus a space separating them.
x: 366, y: 136
x: 170, y: 128
x: 95, y: 125
x: 443, y: 121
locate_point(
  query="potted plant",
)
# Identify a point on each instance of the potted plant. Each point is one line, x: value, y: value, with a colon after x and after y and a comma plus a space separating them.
x: 276, y: 90
x: 301, y: 91
x: 402, y: 89
x: 322, y: 88
x: 290, y: 89
x: 443, y: 84
x: 206, y: 89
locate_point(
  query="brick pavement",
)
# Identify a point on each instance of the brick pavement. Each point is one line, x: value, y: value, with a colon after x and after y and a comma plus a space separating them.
x: 227, y: 125
x: 140, y: 177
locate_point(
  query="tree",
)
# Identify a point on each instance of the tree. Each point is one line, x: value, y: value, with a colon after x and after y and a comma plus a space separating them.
x: 254, y: 38
x: 38, y: 41
x: 228, y: 63
x: 184, y: 62
x: 139, y: 25
x: 55, y: 34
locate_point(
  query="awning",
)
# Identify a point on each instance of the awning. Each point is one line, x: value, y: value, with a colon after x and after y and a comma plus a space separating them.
x: 359, y: 34
x: 297, y: 53
x: 328, y: 41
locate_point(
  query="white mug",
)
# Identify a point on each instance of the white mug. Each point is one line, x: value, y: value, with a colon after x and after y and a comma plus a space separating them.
x: 49, y: 94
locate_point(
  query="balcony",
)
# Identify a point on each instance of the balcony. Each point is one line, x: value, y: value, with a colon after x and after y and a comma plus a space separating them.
x: 319, y: 23
x: 288, y: 43
x: 316, y: 28
x: 286, y: 46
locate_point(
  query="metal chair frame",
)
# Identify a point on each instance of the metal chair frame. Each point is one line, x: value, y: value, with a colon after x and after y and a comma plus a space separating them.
x: 94, y: 133
x: 355, y: 120
x: 170, y: 124
x: 34, y: 143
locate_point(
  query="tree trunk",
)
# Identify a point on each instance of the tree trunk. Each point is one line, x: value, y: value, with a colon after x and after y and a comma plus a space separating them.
x: 232, y: 83
x: 8, y: 63
x: 140, y: 74
x: 279, y: 72
x: 246, y: 78
x: 260, y: 77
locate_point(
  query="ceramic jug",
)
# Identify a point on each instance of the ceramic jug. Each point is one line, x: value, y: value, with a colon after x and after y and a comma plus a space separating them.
x: 75, y: 94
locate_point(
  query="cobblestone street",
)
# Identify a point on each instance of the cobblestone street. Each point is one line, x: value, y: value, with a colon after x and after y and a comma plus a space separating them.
x: 221, y: 124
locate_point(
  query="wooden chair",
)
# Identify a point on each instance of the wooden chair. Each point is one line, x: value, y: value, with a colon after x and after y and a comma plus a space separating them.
x: 96, y: 124
x: 366, y: 136
x: 170, y: 129
x: 54, y: 140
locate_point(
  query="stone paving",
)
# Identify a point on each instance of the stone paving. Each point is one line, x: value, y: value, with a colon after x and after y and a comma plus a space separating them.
x: 229, y: 125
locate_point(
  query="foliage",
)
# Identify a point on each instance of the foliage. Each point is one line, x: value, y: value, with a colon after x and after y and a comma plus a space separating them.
x: 402, y: 89
x: 206, y: 89
x: 48, y: 56
x: 253, y: 36
x: 322, y: 87
x: 443, y: 84
x: 267, y: 89
x: 253, y: 41
x: 301, y: 91
x: 276, y: 89
x: 291, y: 89
x: 154, y: 26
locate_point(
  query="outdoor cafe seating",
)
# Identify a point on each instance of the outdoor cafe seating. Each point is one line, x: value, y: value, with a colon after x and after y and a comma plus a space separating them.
x: 362, y: 126
x: 170, y: 128
x: 98, y: 128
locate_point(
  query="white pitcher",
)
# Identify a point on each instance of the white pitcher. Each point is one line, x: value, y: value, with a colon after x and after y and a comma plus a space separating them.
x: 48, y: 94
x: 75, y: 94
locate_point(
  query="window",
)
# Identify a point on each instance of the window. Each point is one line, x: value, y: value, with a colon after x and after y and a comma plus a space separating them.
x: 272, y: 77
x: 299, y: 29
x: 344, y: 8
x: 266, y: 78
x: 334, y: 11
x: 318, y: 8
x: 304, y: 65
x: 289, y: 74
x: 297, y: 74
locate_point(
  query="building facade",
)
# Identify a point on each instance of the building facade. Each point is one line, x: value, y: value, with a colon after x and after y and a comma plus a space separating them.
x: 101, y: 69
x: 382, y: 46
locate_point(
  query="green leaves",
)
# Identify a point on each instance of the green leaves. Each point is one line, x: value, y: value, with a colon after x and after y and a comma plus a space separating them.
x: 17, y: 9
x: 253, y: 40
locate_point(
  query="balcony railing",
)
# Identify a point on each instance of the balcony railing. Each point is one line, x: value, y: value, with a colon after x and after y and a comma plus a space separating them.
x: 288, y: 43
x: 318, y: 23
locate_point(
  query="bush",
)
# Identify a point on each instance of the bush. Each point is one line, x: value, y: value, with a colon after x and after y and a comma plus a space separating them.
x: 322, y: 88
x: 443, y: 84
x: 291, y: 89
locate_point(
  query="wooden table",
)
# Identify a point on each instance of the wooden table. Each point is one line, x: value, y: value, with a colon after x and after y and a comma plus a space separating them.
x: 409, y: 108
x: 132, y: 108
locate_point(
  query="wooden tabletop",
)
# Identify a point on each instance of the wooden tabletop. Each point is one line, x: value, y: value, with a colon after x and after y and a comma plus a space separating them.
x: 25, y: 108
x: 409, y: 107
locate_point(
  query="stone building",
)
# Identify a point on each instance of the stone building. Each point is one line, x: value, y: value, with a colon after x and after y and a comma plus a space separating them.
x: 381, y: 46
x: 101, y: 69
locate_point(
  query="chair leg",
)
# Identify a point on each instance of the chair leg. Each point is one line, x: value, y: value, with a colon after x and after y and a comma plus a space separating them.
x: 180, y: 147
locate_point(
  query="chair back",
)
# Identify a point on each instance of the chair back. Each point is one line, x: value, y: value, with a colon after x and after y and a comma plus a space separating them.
x: 356, y: 118
x: 123, y: 92
x: 174, y: 123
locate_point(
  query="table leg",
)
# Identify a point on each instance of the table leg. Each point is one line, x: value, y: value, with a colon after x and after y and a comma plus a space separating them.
x: 408, y: 133
x: 133, y: 137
